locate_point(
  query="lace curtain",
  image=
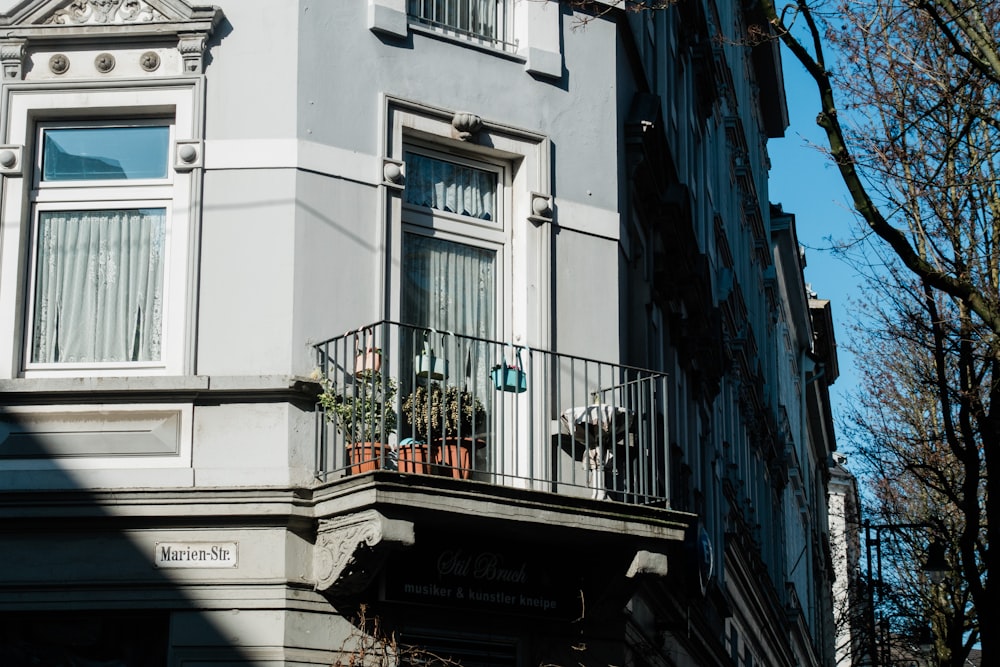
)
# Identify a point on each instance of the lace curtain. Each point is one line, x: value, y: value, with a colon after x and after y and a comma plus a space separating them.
x: 447, y: 186
x: 450, y: 286
x: 98, y: 286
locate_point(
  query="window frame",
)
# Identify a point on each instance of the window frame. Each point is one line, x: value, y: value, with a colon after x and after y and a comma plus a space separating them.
x: 503, y: 40
x: 417, y: 214
x: 41, y: 184
x: 524, y: 157
x: 32, y: 108
x: 492, y: 235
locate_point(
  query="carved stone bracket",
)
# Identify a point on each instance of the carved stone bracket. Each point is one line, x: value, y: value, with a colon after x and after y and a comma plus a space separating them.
x: 192, y: 49
x: 12, y: 52
x: 350, y: 550
x: 648, y: 563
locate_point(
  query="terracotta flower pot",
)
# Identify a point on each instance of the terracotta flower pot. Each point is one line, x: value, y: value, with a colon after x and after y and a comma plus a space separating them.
x: 453, y: 456
x: 365, y: 457
x: 414, y: 457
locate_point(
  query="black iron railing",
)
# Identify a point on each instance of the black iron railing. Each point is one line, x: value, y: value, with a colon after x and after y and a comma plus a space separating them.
x: 422, y: 401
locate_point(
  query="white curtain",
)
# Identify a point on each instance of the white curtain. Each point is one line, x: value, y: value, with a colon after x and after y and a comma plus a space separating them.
x: 99, y: 286
x: 448, y: 286
x: 446, y: 186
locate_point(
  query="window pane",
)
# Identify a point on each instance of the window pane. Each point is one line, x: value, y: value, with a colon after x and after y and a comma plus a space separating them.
x: 98, y: 294
x: 448, y: 286
x: 105, y: 153
x: 447, y: 186
x: 471, y: 18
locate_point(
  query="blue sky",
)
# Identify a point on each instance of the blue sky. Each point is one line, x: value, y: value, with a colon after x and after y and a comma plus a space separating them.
x: 806, y: 183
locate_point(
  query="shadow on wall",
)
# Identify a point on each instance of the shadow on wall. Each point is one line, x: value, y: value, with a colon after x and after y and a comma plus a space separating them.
x: 79, y: 582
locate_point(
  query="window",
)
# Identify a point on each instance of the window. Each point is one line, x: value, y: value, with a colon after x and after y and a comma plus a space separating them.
x: 97, y: 280
x: 485, y: 21
x: 465, y: 259
x: 454, y: 238
x: 98, y: 271
x: 453, y: 247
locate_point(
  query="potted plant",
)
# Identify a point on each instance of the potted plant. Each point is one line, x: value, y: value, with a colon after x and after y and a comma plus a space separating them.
x: 448, y: 419
x: 364, y: 413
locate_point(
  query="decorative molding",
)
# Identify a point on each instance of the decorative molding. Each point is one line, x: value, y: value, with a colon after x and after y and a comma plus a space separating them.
x: 188, y: 155
x: 12, y: 52
x: 104, y: 62
x: 465, y: 126
x: 192, y: 48
x: 105, y: 12
x: 150, y: 61
x: 110, y: 26
x: 350, y: 550
x: 393, y: 173
x: 10, y: 160
x: 541, y: 208
x: 648, y: 563
x: 59, y: 63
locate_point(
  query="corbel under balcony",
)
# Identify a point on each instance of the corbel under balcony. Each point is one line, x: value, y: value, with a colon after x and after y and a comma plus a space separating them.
x: 351, y: 549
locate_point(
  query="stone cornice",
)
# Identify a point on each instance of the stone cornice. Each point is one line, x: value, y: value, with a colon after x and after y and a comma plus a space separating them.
x: 87, y: 23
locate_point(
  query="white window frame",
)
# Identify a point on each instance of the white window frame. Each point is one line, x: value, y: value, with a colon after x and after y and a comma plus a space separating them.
x: 523, y: 159
x: 493, y: 235
x: 29, y: 108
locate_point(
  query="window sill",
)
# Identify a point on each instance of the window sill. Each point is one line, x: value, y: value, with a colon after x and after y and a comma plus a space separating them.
x: 32, y: 390
x: 466, y: 42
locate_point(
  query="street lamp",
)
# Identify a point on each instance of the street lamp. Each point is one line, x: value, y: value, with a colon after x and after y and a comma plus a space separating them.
x: 935, y: 566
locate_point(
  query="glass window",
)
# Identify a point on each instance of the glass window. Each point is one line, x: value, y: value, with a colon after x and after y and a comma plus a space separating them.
x: 448, y: 286
x: 105, y: 153
x: 451, y: 187
x: 98, y: 288
x: 480, y: 19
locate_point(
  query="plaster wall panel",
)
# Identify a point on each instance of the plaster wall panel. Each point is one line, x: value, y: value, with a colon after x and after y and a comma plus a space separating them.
x: 251, y: 72
x: 587, y: 295
x: 578, y: 112
x: 241, y: 444
x: 245, y: 308
x: 338, y: 267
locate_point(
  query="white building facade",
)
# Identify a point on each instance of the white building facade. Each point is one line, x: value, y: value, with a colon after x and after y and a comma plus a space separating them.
x: 469, y: 317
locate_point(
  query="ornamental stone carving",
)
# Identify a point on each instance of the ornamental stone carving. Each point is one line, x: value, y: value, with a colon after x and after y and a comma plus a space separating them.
x: 112, y: 28
x: 191, y: 48
x: 10, y: 160
x: 59, y: 63
x: 150, y: 61
x: 104, y: 62
x: 103, y: 12
x: 541, y: 208
x: 12, y: 54
x: 465, y: 126
x: 350, y: 550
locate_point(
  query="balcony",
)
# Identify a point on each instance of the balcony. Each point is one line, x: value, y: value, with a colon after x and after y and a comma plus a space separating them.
x: 424, y: 402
